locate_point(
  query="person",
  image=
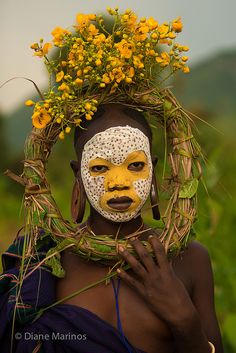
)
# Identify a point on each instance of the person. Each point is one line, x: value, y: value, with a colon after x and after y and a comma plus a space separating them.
x: 162, y: 306
x: 152, y: 302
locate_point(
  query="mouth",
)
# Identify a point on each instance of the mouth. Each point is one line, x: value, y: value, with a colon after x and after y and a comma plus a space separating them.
x: 120, y: 203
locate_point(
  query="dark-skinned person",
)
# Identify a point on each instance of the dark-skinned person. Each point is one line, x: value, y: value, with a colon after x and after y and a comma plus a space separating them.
x: 113, y: 283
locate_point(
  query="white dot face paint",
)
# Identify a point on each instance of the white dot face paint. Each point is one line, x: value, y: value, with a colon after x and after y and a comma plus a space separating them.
x: 116, y: 170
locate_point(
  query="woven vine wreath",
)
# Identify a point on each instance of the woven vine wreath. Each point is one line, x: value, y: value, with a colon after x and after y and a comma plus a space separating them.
x: 94, y: 66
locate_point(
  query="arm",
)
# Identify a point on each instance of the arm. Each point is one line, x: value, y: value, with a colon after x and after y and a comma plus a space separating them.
x: 167, y: 297
x: 197, y: 258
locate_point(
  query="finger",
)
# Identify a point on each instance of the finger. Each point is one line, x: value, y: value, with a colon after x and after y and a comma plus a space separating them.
x: 143, y: 254
x: 134, y: 263
x: 131, y: 281
x: 159, y: 251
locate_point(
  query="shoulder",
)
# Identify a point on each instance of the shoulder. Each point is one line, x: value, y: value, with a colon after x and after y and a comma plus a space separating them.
x: 195, y: 264
x: 195, y: 252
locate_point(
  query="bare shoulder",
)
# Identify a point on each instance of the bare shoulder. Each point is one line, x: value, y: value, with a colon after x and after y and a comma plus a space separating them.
x: 195, y: 252
x: 194, y: 265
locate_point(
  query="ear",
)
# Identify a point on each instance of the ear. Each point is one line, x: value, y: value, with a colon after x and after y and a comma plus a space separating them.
x: 75, y: 167
x: 154, y: 161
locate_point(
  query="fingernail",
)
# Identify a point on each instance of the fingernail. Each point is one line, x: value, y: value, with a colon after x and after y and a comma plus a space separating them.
x: 121, y: 249
x: 132, y: 239
x: 118, y: 270
x: 150, y: 237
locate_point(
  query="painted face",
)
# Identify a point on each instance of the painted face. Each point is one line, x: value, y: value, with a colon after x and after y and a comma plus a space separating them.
x: 116, y: 170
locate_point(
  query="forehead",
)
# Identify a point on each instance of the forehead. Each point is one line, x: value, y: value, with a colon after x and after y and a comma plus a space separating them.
x: 115, y: 144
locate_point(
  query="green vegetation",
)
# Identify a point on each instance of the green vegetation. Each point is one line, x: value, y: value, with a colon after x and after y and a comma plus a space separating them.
x: 216, y: 217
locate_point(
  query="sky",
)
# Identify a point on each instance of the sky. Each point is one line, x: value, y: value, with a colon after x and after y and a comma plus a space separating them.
x: 208, y: 29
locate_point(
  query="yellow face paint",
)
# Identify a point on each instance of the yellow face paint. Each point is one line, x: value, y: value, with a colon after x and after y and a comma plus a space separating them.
x: 119, y: 181
x: 116, y: 170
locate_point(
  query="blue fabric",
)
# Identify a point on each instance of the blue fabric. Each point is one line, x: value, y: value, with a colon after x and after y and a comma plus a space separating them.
x: 64, y: 328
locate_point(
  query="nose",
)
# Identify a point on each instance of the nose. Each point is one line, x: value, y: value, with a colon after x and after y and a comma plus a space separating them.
x: 117, y: 187
x: 117, y: 182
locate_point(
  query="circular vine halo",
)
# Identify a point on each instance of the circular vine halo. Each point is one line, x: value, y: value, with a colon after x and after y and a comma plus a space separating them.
x: 183, y: 152
x: 97, y: 67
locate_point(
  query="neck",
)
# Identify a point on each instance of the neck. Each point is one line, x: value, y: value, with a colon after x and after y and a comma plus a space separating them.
x: 102, y: 226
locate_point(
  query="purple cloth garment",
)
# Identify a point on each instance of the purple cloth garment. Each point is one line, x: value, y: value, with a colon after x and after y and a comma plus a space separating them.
x: 64, y: 328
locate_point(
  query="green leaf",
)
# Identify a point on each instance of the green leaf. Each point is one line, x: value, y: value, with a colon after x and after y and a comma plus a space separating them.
x: 188, y: 189
x: 55, y: 264
x: 102, y: 248
x: 167, y: 105
x: 55, y: 261
x: 37, y: 217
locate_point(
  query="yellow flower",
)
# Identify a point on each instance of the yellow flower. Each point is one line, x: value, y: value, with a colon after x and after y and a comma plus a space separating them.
x: 59, y: 33
x: 83, y: 20
x: 125, y: 48
x: 78, y: 81
x: 88, y: 117
x: 64, y: 87
x: 118, y: 74
x: 152, y: 23
x: 110, y: 11
x: 151, y: 52
x: 163, y: 30
x: 61, y: 135
x: 59, y: 76
x: 184, y: 58
x: 164, y: 59
x: 129, y: 20
x: 64, y: 96
x: 137, y: 62
x: 185, y: 48
x: 77, y: 122
x: 128, y: 80
x: 130, y: 72
x: 98, y: 62
x: 34, y: 46
x: 177, y: 25
x: 92, y: 30
x: 68, y: 129
x: 172, y: 35
x: 113, y: 88
x: 141, y: 32
x: 186, y: 69
x: 105, y: 78
x: 43, y: 51
x: 46, y: 48
x: 29, y: 103
x: 99, y: 39
x: 40, y: 119
x: 88, y: 106
x: 92, y: 16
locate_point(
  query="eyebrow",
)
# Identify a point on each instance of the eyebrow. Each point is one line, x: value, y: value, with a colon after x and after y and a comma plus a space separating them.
x: 135, y: 157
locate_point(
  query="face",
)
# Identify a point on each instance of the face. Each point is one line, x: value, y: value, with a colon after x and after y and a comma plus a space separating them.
x: 116, y: 170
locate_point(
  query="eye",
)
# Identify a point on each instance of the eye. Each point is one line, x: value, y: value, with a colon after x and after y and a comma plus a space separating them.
x: 136, y: 166
x: 99, y: 168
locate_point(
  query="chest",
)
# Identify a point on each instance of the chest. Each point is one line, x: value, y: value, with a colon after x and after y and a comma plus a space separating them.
x: 140, y: 325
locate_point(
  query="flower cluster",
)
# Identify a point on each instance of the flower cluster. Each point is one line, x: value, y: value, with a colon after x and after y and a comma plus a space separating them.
x: 94, y: 63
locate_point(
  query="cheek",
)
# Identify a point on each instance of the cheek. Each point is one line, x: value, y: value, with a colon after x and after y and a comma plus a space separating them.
x: 94, y: 187
x: 142, y: 187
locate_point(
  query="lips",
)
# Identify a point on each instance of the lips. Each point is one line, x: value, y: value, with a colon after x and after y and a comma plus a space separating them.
x: 120, y: 203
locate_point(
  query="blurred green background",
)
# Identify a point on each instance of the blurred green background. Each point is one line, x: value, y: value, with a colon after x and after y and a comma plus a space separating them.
x: 209, y: 91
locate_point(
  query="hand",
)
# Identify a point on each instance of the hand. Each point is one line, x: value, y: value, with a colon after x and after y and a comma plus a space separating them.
x: 156, y: 282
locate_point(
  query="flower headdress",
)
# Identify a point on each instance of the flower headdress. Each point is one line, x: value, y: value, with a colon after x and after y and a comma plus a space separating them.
x: 126, y: 65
